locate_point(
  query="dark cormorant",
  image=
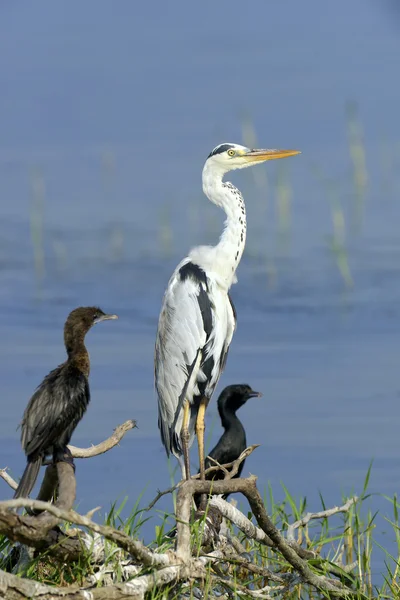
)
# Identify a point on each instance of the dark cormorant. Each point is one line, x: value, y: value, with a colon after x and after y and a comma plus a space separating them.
x: 60, y: 401
x: 233, y: 441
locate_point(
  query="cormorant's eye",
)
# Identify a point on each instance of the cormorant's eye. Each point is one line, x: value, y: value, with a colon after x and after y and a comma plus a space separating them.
x: 231, y: 152
x: 95, y: 316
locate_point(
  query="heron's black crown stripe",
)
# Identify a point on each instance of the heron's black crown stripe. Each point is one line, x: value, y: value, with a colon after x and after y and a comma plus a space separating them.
x: 193, y: 271
x: 219, y: 149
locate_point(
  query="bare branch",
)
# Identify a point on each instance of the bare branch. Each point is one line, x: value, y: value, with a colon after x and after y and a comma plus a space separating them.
x: 323, y: 514
x: 234, y: 469
x: 242, y: 457
x: 76, y: 452
x: 219, y: 467
x: 16, y: 588
x: 105, y: 446
x: 235, y: 464
x: 241, y: 590
x: 49, y: 484
x: 8, y: 479
x: 61, y: 475
x: 169, y: 567
x: 249, y: 489
x: 230, y: 555
x: 183, y: 506
x: 234, y: 515
x: 160, y: 495
x: 137, y: 549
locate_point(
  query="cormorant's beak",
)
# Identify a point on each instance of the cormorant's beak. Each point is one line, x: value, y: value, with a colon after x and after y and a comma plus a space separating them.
x: 255, y: 156
x: 105, y: 318
x: 254, y: 394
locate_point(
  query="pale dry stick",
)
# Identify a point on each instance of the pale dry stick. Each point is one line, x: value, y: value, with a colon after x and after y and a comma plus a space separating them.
x: 160, y: 495
x: 235, y: 464
x: 235, y: 467
x: 241, y: 590
x: 236, y: 543
x: 49, y: 484
x: 66, y: 494
x: 323, y: 514
x: 183, y: 509
x: 251, y: 531
x: 40, y: 527
x: 137, y: 549
x: 231, y: 555
x: 235, y: 516
x: 220, y: 467
x: 8, y: 479
x: 171, y: 567
x: 248, y: 488
x: 17, y: 588
x: 105, y: 446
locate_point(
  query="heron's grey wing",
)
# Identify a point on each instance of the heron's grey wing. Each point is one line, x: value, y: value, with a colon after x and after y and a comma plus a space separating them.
x: 184, y: 326
x: 54, y: 410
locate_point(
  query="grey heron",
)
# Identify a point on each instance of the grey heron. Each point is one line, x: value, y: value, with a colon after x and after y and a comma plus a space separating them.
x: 197, y: 318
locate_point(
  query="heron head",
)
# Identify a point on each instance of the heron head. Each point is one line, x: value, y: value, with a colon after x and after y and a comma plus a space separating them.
x: 234, y: 156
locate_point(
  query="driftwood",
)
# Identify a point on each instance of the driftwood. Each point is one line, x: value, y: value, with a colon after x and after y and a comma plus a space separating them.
x: 38, y: 529
x: 76, y: 452
x: 143, y: 569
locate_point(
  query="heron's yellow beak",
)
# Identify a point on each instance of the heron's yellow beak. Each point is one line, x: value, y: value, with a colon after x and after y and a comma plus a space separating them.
x: 254, y: 156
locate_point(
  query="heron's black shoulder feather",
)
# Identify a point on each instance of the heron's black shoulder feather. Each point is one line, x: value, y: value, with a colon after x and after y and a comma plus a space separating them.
x: 193, y: 271
x: 196, y: 273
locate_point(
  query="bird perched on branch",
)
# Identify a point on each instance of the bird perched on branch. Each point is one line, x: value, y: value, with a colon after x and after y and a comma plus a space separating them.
x: 60, y: 401
x: 233, y: 441
x: 197, y: 318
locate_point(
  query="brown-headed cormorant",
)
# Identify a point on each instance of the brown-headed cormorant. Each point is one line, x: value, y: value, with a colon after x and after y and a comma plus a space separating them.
x: 60, y: 401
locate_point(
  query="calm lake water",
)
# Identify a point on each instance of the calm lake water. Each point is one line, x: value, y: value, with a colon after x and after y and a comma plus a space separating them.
x: 108, y: 113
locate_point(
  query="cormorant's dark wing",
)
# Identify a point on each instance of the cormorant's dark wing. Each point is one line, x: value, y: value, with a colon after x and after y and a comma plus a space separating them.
x: 55, y: 410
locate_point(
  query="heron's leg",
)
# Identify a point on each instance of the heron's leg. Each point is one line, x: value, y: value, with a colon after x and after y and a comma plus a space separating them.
x: 200, y: 428
x: 185, y: 437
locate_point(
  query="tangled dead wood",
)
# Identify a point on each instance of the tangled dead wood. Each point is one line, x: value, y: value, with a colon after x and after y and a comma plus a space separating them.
x: 143, y: 569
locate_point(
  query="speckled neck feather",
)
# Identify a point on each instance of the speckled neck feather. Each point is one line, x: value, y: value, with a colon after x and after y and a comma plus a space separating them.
x: 224, y: 258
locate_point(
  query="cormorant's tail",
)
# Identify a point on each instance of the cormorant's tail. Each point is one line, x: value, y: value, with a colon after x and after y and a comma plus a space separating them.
x: 28, y: 478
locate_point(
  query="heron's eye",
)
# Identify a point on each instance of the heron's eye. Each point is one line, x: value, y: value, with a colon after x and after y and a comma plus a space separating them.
x: 95, y: 316
x: 231, y: 152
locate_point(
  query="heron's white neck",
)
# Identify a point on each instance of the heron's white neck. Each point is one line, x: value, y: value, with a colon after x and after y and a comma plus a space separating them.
x: 223, y: 259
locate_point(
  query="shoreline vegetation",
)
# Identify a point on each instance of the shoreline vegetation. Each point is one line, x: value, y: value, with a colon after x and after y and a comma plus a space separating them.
x: 267, y: 550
